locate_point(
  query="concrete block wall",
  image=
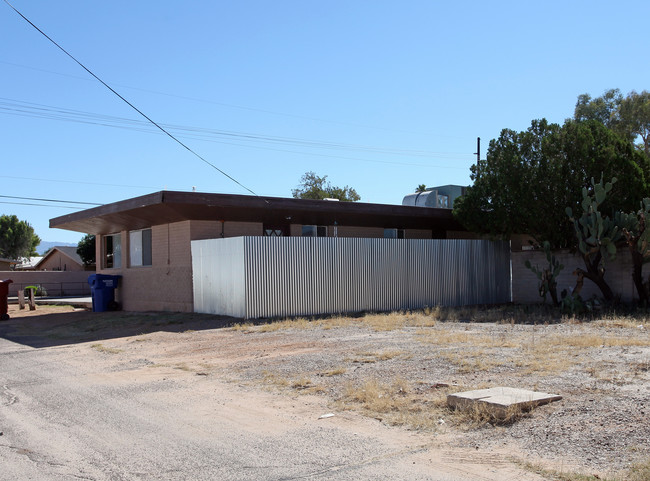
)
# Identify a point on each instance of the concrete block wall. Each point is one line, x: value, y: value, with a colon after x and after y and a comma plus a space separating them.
x: 618, y: 274
x: 56, y: 283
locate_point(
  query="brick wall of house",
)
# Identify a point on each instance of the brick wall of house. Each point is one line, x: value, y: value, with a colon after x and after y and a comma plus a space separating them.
x: 236, y: 229
x: 166, y: 285
x: 525, y: 283
x: 417, y: 234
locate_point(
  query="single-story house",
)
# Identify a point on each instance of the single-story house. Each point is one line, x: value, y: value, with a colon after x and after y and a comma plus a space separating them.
x: 7, y: 264
x: 147, y: 239
x: 62, y: 258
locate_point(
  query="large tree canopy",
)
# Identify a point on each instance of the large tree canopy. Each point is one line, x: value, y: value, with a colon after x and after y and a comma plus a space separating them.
x: 529, y: 178
x: 314, y: 187
x: 629, y: 116
x: 17, y: 238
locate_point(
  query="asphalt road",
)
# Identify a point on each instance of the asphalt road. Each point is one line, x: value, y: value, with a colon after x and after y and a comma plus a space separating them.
x: 65, y: 415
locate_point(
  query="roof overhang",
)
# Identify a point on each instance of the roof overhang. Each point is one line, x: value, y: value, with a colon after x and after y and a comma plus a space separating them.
x: 167, y: 207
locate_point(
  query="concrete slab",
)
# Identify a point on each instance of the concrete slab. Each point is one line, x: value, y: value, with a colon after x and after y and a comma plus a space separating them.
x: 500, y: 401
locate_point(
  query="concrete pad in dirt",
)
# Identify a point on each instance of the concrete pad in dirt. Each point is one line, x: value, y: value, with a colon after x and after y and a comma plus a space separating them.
x: 501, y: 400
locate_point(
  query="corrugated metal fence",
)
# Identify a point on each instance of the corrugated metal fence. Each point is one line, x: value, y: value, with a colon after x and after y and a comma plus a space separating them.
x: 252, y: 277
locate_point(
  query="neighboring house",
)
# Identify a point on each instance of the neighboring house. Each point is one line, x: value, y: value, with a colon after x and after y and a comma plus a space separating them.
x: 7, y: 264
x: 62, y: 258
x: 146, y: 239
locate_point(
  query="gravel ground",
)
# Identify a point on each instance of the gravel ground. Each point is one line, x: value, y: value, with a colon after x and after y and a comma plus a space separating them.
x: 601, y: 368
x: 602, y: 424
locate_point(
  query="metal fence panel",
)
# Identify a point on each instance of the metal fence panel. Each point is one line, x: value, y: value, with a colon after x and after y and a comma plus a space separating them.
x: 256, y: 277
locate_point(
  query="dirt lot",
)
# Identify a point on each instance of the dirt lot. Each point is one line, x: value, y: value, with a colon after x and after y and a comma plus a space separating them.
x: 389, y: 375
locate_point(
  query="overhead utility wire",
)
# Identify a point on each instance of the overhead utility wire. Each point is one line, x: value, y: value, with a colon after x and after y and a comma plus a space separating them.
x: 40, y: 205
x: 129, y: 103
x: 48, y: 200
x: 253, y: 109
x: 61, y: 181
x: 30, y: 109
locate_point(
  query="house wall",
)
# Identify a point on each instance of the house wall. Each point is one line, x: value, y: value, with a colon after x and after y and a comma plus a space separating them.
x: 166, y: 285
x: 57, y: 261
x: 5, y: 265
x: 364, y: 232
x: 525, y: 283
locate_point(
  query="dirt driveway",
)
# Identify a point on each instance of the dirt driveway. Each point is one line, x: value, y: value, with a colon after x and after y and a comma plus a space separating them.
x: 125, y: 396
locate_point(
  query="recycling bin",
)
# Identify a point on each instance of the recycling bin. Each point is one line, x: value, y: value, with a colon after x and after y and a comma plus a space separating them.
x: 102, y: 290
x: 4, y: 296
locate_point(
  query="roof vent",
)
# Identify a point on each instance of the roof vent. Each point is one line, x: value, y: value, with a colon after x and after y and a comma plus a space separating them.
x: 330, y: 199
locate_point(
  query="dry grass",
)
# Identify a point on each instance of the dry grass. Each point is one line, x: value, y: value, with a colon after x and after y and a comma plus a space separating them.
x: 473, y: 351
x: 370, y: 357
x: 639, y: 471
x: 337, y: 371
x: 106, y: 350
x: 397, y: 403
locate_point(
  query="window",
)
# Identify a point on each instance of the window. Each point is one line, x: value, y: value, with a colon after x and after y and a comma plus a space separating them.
x: 393, y: 233
x: 275, y: 230
x: 314, y: 231
x: 443, y: 201
x: 112, y: 251
x: 140, y: 247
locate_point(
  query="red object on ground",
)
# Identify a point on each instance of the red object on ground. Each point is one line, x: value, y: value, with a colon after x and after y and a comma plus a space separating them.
x: 4, y: 295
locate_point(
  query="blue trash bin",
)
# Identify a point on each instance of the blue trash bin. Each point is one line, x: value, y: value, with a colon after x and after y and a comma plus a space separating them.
x: 102, y: 290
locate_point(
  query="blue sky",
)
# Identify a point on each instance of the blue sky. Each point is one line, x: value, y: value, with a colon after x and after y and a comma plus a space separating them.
x: 378, y: 95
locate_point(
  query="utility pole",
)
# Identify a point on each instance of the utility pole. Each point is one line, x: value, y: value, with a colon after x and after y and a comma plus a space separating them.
x: 478, y: 149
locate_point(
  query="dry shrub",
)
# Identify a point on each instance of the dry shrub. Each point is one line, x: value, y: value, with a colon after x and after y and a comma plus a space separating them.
x: 479, y: 414
x: 337, y: 371
x: 104, y: 349
x: 376, y: 397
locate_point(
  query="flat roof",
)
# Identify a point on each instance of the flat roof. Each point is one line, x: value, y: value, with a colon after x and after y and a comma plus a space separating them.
x: 170, y: 206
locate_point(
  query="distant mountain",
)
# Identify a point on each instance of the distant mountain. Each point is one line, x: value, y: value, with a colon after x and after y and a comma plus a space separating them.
x: 45, y: 245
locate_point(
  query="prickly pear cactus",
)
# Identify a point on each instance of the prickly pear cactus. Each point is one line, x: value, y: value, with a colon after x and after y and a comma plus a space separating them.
x: 547, y: 277
x: 595, y: 232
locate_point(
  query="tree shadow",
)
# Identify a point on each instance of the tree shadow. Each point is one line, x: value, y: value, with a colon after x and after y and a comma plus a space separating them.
x: 59, y: 329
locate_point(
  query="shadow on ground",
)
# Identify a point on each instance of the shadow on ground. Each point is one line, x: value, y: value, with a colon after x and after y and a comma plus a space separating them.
x: 58, y: 329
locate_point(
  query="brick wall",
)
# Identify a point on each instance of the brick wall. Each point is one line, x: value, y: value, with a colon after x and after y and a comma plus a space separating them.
x: 525, y: 283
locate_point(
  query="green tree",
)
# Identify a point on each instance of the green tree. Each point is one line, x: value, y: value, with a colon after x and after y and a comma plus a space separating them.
x: 421, y: 188
x: 634, y: 118
x: 528, y: 179
x: 629, y: 116
x: 604, y: 109
x: 313, y: 186
x: 17, y: 238
x: 86, y: 249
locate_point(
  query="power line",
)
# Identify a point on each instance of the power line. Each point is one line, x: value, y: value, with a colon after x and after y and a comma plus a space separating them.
x: 49, y: 200
x: 40, y: 205
x: 241, y: 107
x: 60, y: 181
x: 129, y: 103
x: 31, y: 109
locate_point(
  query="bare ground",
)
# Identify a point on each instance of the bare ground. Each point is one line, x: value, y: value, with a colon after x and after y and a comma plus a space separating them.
x: 396, y: 370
